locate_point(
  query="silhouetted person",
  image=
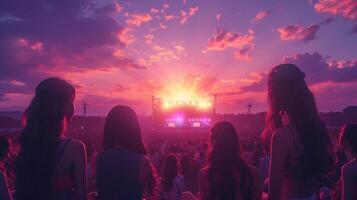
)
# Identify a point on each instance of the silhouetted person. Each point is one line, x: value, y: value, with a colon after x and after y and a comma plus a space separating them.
x: 190, y: 170
x: 172, y: 181
x: 123, y: 169
x: 299, y: 157
x: 4, y: 148
x: 50, y: 166
x: 348, y: 140
x: 227, y: 176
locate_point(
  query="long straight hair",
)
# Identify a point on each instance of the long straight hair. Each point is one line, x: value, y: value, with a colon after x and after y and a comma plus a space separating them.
x: 169, y: 172
x: 122, y: 129
x: 45, y: 121
x: 288, y: 91
x: 224, y: 162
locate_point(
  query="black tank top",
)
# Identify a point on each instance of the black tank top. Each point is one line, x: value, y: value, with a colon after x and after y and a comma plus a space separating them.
x: 117, y: 175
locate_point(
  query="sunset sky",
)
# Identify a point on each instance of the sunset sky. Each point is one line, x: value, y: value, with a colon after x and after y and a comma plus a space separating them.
x: 122, y: 52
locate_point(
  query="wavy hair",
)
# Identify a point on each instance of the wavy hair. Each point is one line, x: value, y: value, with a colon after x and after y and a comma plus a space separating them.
x: 288, y: 91
x: 224, y: 161
x: 169, y: 172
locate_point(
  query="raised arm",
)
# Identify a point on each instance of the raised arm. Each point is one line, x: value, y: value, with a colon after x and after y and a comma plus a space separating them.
x: 279, y: 150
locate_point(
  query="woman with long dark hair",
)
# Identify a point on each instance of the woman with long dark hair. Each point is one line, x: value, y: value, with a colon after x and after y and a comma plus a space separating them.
x: 299, y: 145
x: 123, y: 169
x: 190, y: 171
x: 227, y: 176
x: 50, y: 166
x: 172, y: 182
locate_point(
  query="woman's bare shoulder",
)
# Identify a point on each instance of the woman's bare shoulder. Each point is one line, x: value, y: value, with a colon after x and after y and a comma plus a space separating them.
x: 204, y: 170
x: 203, y: 173
x: 283, y: 134
x: 74, y: 145
x: 350, y: 168
x: 145, y: 161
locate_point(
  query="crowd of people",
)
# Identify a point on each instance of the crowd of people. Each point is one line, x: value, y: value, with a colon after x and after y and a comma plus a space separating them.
x: 293, y: 159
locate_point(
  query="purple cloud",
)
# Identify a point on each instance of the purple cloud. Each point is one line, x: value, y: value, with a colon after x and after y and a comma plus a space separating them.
x: 37, y: 38
x: 318, y: 69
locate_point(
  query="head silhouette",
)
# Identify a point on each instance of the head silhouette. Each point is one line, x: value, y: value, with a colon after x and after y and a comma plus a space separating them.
x: 223, y: 161
x: 289, y: 93
x: 45, y: 121
x: 225, y: 144
x: 122, y: 129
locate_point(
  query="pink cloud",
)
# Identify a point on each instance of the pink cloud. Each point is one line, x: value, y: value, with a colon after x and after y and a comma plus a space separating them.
x: 36, y: 46
x: 154, y: 11
x: 242, y: 54
x: 346, y: 8
x: 148, y: 38
x: 218, y: 17
x: 193, y: 11
x: 162, y: 26
x: 169, y: 17
x: 165, y: 6
x: 241, y: 43
x: 261, y: 15
x: 255, y: 82
x: 183, y: 16
x: 201, y: 83
x: 125, y: 36
x: 298, y: 32
x: 340, y: 64
x: 222, y: 40
x: 138, y: 19
x: 179, y: 48
x: 165, y: 54
x: 186, y: 15
x: 17, y: 83
x: 149, y: 87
